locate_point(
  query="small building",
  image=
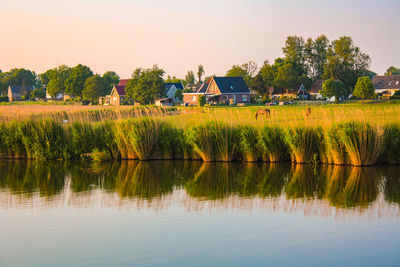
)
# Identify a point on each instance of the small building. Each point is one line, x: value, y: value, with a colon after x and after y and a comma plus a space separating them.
x: 18, y: 92
x: 302, y: 93
x: 386, y: 86
x: 163, y: 102
x: 171, y: 88
x: 316, y: 87
x: 117, y: 95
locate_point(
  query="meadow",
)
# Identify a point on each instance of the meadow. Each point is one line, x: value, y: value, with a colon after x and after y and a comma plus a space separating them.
x: 346, y: 134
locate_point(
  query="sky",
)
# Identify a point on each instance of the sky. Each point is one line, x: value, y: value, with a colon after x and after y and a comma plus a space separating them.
x: 178, y: 35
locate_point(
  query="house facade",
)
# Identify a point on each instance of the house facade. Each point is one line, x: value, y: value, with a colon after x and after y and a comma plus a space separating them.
x: 227, y: 90
x: 171, y: 88
x: 18, y: 92
x: 386, y: 86
x: 316, y: 87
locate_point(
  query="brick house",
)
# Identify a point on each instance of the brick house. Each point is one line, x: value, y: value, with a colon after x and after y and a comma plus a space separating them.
x: 221, y: 90
x: 192, y: 92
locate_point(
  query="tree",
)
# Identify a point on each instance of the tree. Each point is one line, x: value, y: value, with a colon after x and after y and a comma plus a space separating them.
x: 110, y: 79
x: 200, y: 73
x: 202, y: 100
x: 20, y: 77
x: 392, y: 71
x: 77, y: 78
x: 315, y: 54
x: 364, y: 88
x: 56, y: 79
x: 294, y: 52
x: 346, y: 62
x: 287, y: 77
x: 237, y: 71
x: 146, y: 85
x: 334, y: 88
x: 189, y: 78
x: 37, y: 93
x: 246, y: 70
x: 95, y: 87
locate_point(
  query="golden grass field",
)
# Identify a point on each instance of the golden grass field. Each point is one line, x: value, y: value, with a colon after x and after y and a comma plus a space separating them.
x: 290, y: 115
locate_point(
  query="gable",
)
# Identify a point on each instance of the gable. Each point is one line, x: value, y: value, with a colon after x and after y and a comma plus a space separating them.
x: 213, y: 88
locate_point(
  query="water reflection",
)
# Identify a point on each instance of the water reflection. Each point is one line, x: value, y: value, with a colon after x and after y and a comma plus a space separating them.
x: 341, y: 187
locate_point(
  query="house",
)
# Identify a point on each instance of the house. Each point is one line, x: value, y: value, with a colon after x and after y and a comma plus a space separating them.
x: 227, y: 90
x: 316, y: 87
x: 192, y: 92
x: 171, y: 88
x: 386, y: 86
x: 58, y: 97
x: 117, y: 95
x: 18, y: 92
x: 302, y: 92
x: 164, y: 102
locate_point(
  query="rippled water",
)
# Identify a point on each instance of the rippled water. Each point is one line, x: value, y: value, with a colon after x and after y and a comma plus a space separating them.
x: 193, y: 213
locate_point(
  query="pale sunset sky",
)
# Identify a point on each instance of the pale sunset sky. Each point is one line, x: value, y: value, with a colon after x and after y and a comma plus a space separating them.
x: 178, y: 35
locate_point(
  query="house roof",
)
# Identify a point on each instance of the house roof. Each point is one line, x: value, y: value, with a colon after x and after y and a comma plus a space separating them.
x: 19, y: 89
x: 227, y: 85
x: 302, y: 90
x: 386, y: 82
x: 316, y: 86
x: 203, y: 88
x: 178, y: 86
x: 193, y: 87
x: 123, y: 82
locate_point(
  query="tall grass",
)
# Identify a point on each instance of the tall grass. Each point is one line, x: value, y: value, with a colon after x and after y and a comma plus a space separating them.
x: 302, y: 143
x: 215, y: 141
x: 272, y: 144
x: 350, y: 143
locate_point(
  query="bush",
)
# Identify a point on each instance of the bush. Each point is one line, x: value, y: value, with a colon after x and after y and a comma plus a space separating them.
x: 202, y: 100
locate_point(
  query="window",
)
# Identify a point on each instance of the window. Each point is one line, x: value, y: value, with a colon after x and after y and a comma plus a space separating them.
x: 194, y: 98
x: 115, y: 98
x: 397, y: 82
x: 225, y: 97
x: 244, y: 97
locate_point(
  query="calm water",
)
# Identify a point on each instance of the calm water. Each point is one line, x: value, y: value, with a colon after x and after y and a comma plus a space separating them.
x: 189, y: 213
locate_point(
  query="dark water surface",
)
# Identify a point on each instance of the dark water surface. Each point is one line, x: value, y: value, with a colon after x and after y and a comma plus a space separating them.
x: 196, y: 214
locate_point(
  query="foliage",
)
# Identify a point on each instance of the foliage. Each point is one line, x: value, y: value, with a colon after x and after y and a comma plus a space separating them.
x: 345, y: 62
x: 392, y: 71
x: 332, y: 88
x: 146, y: 85
x: 189, y: 78
x: 364, y: 88
x: 246, y: 70
x: 200, y: 73
x: 95, y: 86
x: 76, y: 80
x: 178, y: 94
x: 56, y: 80
x: 110, y: 78
x: 202, y: 100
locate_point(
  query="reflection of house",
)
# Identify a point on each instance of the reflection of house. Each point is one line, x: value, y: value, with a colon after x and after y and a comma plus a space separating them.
x: 117, y: 95
x: 193, y: 91
x: 171, y: 88
x: 18, y: 92
x: 386, y: 86
x: 316, y: 87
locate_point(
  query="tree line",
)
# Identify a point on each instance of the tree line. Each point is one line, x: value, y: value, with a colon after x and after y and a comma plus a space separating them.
x: 304, y: 61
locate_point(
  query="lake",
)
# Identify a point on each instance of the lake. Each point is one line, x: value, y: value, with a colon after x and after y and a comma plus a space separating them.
x: 183, y: 213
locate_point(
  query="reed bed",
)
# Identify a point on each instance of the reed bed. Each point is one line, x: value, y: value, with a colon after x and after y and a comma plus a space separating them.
x: 349, y: 143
